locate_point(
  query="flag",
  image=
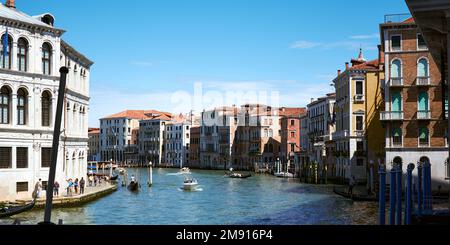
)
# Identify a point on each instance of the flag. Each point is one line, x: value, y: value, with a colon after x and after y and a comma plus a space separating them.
x: 5, y: 43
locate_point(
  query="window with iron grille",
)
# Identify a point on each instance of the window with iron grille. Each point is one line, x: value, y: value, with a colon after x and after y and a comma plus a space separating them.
x: 46, y: 108
x: 21, y: 187
x: 22, y: 157
x: 46, y: 157
x: 5, y: 157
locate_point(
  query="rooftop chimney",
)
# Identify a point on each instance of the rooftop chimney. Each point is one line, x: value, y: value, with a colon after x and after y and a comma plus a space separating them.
x: 10, y: 4
x: 346, y: 65
x: 339, y: 72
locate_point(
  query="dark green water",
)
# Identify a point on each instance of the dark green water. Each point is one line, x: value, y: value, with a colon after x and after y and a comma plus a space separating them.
x: 259, y: 200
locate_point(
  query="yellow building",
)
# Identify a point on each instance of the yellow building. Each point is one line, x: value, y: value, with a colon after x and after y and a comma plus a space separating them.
x: 359, y: 136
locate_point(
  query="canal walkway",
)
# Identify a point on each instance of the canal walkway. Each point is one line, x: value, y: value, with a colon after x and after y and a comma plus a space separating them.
x: 90, y: 194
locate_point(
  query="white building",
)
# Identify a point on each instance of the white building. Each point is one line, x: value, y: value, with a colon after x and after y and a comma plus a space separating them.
x: 152, y: 138
x: 177, y: 143
x: 29, y: 80
x: 320, y: 127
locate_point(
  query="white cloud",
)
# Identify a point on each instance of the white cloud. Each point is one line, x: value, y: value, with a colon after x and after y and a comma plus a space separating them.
x: 305, y: 45
x: 368, y: 36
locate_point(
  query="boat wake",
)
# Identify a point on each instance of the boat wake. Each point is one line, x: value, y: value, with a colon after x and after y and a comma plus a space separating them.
x: 198, y: 189
x: 175, y: 174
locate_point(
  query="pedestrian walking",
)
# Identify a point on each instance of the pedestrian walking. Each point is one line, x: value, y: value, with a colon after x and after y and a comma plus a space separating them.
x: 82, y: 183
x: 95, y: 180
x: 56, y: 189
x: 69, y: 187
x: 351, y: 184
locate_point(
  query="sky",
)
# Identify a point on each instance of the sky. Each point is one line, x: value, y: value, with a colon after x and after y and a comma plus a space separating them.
x: 178, y: 55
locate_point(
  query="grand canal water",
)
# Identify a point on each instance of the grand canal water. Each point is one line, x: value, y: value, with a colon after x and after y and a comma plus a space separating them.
x: 259, y: 200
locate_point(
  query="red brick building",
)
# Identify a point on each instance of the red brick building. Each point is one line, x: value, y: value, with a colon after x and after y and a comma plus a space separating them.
x: 415, y: 100
x: 290, y: 133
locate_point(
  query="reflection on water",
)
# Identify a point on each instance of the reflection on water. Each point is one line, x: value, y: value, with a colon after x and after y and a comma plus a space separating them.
x: 261, y: 200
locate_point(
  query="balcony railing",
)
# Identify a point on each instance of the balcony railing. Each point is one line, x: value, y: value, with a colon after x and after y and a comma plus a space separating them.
x: 359, y: 98
x: 424, y: 115
x: 423, y: 81
x: 392, y: 116
x: 396, y: 82
x: 341, y: 134
x: 359, y: 133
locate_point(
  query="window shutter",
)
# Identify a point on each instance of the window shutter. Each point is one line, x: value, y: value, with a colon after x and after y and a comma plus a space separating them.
x: 5, y: 157
x: 22, y: 157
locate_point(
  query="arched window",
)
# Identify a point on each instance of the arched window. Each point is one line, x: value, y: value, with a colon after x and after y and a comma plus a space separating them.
x: 46, y: 102
x: 422, y: 68
x: 396, y: 69
x: 46, y: 59
x: 397, y: 137
x: 396, y: 101
x: 398, y: 162
x: 22, y: 54
x: 5, y: 104
x: 423, y: 101
x: 6, y: 56
x: 22, y: 106
x: 424, y: 137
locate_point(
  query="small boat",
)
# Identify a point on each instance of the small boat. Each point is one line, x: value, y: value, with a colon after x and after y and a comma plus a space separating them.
x: 284, y: 175
x: 190, y: 184
x: 185, y: 170
x: 133, y: 186
x: 14, y: 210
x: 234, y: 175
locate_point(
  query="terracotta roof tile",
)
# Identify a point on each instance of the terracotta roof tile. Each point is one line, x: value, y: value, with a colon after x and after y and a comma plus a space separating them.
x: 369, y: 65
x: 137, y: 114
x: 292, y: 112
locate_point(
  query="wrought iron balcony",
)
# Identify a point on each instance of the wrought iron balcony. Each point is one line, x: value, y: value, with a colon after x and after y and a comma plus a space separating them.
x: 359, y: 98
x: 396, y: 82
x: 423, y: 81
x: 392, y: 116
x: 424, y: 115
x: 341, y: 134
x: 360, y: 133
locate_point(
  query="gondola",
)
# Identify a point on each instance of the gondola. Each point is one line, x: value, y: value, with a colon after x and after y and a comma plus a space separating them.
x: 114, y: 178
x: 356, y: 197
x: 14, y: 210
x: 133, y: 186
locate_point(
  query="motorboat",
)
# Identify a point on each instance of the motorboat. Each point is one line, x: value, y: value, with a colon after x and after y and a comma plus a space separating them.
x: 185, y: 170
x: 284, y: 175
x: 190, y: 184
x: 239, y: 176
x: 235, y: 175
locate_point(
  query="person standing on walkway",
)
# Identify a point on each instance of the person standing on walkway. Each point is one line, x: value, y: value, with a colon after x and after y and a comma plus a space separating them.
x: 75, y: 185
x: 351, y: 184
x: 38, y: 187
x: 82, y: 183
x: 95, y: 180
x: 91, y: 179
x: 56, y: 189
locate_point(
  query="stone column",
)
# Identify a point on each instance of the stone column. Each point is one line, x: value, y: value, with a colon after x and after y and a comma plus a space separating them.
x: 14, y: 56
x: 13, y: 112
